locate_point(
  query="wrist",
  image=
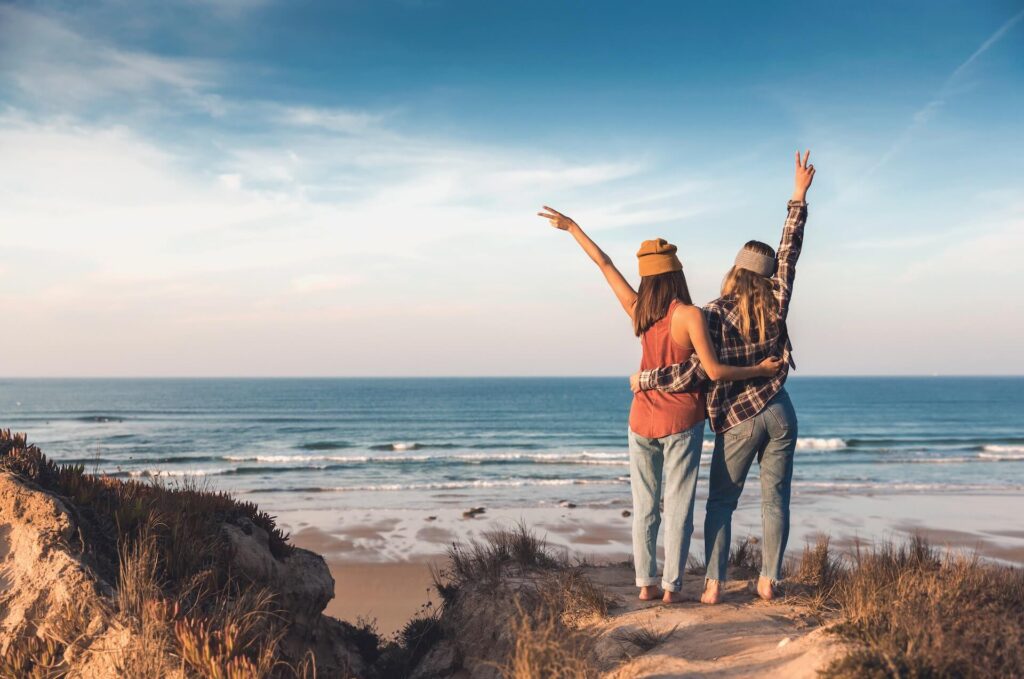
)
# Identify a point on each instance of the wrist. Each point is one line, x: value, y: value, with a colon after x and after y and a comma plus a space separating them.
x: 799, y: 195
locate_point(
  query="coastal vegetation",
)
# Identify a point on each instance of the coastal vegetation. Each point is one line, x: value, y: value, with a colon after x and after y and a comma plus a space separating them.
x: 911, y: 610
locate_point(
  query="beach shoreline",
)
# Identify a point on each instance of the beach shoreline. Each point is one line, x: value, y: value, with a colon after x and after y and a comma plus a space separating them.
x: 382, y: 559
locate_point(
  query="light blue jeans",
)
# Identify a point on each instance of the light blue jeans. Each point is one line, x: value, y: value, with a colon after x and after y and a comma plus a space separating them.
x: 670, y: 464
x: 770, y: 436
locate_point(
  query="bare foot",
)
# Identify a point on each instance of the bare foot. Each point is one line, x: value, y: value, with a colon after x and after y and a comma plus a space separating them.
x: 712, y: 592
x: 672, y: 597
x: 650, y: 593
x: 764, y: 588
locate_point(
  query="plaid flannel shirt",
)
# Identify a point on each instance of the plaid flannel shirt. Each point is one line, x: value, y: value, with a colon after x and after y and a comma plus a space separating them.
x: 730, y: 403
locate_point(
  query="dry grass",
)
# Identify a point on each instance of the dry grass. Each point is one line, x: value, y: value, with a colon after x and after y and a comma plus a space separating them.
x: 42, y: 654
x: 645, y: 637
x: 518, y: 552
x: 745, y: 559
x: 33, y: 657
x: 544, y: 647
x: 551, y: 596
x: 399, y: 657
x: 490, y: 560
x: 913, y: 612
x: 575, y: 596
x: 164, y: 551
x: 811, y: 581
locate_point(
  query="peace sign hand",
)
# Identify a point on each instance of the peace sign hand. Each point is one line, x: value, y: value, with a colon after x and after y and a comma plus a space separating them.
x: 804, y: 176
x: 557, y: 219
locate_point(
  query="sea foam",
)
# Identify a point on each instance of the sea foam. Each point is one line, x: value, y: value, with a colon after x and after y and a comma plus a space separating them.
x: 1001, y: 452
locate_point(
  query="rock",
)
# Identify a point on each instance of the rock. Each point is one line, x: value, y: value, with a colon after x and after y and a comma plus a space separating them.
x: 442, y: 661
x: 302, y: 581
x: 39, y: 574
x: 471, y: 513
x: 626, y: 512
x: 47, y: 591
x: 302, y: 585
x: 566, y: 503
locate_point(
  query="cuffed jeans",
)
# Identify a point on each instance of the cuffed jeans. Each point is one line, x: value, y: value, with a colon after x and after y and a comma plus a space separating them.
x: 677, y: 459
x: 770, y: 436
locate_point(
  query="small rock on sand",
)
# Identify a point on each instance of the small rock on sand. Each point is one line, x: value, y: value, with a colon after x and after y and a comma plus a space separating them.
x: 431, y: 518
x: 626, y: 512
x: 471, y: 513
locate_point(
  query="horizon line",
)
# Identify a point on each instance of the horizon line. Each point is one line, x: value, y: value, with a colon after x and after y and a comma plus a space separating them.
x: 468, y: 377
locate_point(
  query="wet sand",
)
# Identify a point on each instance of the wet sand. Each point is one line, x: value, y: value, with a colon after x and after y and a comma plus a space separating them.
x: 381, y: 559
x: 987, y: 523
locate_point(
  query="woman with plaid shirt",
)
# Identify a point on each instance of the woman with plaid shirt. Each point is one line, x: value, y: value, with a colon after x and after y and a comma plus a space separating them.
x: 751, y: 418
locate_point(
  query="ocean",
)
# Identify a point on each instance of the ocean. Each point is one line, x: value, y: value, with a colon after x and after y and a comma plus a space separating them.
x: 500, y: 442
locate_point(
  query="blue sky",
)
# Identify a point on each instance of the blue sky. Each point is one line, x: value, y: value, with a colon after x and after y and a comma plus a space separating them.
x: 347, y: 188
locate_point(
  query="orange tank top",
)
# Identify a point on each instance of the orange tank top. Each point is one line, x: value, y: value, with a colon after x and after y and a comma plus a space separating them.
x: 655, y: 414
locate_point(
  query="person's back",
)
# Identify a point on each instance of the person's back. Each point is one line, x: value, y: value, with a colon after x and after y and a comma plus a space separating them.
x: 655, y: 414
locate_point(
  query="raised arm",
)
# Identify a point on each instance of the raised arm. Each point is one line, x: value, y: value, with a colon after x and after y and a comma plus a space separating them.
x: 688, y: 321
x: 620, y: 286
x: 793, y: 234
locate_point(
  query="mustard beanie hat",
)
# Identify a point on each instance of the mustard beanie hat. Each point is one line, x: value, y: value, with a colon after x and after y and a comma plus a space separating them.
x: 657, y: 256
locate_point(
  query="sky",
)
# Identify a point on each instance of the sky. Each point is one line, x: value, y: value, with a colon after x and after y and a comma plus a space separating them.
x: 271, y: 188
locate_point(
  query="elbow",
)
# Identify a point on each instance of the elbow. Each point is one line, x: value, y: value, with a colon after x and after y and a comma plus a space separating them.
x: 714, y: 372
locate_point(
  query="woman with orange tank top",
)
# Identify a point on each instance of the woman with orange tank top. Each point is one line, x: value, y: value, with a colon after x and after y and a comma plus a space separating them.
x: 666, y: 430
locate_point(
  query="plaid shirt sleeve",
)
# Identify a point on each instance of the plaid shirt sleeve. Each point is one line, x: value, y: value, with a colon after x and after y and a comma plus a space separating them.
x: 689, y: 376
x: 788, y: 252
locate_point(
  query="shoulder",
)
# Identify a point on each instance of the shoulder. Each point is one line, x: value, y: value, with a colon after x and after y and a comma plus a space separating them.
x: 685, y: 313
x: 718, y: 307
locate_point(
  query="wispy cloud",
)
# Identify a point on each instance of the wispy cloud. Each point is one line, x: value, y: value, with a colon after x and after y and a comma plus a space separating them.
x: 927, y: 112
x: 50, y: 64
x: 334, y: 120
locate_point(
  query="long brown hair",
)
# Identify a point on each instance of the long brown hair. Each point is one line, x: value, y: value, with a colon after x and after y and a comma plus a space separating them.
x: 754, y: 297
x: 654, y: 297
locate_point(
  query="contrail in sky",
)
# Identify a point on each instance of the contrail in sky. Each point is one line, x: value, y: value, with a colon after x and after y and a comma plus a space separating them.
x: 928, y: 111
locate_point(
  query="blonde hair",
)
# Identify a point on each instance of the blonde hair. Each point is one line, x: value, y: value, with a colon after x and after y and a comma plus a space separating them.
x: 754, y: 296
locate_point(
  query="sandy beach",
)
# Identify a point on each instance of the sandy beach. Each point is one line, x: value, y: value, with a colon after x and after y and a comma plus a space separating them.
x: 381, y: 559
x: 390, y: 593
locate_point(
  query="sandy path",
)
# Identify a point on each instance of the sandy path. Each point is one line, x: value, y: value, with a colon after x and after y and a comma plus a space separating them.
x: 741, y: 637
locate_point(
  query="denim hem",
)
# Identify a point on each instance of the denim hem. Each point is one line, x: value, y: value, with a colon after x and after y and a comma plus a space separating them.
x: 646, y: 582
x: 669, y: 587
